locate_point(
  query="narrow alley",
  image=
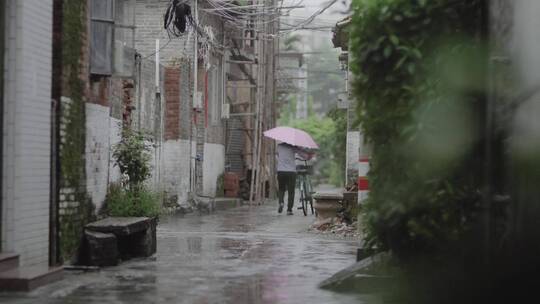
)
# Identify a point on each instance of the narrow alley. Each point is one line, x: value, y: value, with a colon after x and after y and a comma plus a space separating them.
x: 241, y: 255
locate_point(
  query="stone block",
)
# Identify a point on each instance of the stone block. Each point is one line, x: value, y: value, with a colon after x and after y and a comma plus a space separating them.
x: 135, y: 236
x: 120, y: 226
x: 101, y: 249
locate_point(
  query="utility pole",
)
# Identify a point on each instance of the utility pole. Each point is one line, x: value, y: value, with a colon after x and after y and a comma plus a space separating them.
x: 255, y: 138
x: 195, y: 94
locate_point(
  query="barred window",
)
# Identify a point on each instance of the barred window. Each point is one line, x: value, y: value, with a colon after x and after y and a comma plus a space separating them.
x: 112, y: 37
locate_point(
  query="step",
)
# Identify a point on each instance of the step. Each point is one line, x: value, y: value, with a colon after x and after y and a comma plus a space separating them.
x: 8, y: 261
x: 29, y: 278
x: 224, y: 203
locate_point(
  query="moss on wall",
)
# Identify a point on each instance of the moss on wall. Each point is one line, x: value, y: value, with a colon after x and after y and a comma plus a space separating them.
x: 75, y: 207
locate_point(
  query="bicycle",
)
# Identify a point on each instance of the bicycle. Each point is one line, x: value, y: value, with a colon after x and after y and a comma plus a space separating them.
x: 305, y: 187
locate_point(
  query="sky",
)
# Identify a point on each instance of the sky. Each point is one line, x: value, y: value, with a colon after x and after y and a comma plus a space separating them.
x: 330, y: 16
x: 324, y: 22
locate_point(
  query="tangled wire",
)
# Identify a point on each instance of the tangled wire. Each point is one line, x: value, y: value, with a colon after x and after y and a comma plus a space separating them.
x: 177, y: 18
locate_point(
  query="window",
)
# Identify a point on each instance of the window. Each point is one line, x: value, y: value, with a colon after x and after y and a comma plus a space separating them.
x: 124, y: 38
x: 112, y: 37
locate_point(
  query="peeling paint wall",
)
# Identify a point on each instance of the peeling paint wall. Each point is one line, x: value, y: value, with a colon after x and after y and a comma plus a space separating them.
x: 213, y: 167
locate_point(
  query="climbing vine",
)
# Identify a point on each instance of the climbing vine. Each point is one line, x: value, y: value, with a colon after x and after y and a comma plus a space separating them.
x: 72, y: 162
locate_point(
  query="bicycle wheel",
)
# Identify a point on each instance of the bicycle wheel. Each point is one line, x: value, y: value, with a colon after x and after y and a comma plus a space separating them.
x: 303, y: 198
x: 309, y: 194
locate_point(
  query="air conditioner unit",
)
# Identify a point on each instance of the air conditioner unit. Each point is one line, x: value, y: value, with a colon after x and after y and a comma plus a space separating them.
x: 225, y: 111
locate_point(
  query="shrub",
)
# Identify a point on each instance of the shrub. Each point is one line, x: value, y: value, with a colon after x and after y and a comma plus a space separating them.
x: 132, y: 197
x: 418, y: 99
x: 132, y: 155
x: 137, y: 203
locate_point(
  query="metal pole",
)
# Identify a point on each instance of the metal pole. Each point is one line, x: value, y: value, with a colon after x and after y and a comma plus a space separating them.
x: 252, y: 189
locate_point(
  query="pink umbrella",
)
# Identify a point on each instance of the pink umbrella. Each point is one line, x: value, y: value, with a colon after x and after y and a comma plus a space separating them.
x: 292, y: 136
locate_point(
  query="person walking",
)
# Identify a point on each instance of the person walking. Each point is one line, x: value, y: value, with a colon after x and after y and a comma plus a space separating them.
x: 286, y: 173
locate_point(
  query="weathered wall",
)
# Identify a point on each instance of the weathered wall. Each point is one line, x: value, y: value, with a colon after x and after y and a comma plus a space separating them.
x: 27, y: 130
x: 146, y: 115
x: 176, y: 168
x: 149, y: 21
x: 97, y: 152
x: 213, y: 167
x: 106, y: 111
x: 181, y: 123
x: 115, y: 135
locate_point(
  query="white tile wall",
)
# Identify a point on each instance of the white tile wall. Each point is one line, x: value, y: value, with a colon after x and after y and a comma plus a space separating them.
x: 27, y: 130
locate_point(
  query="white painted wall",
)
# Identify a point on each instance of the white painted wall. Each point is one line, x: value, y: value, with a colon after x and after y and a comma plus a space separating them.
x: 27, y: 130
x: 97, y: 152
x: 115, y: 135
x: 176, y: 169
x: 100, y: 140
x: 213, y: 166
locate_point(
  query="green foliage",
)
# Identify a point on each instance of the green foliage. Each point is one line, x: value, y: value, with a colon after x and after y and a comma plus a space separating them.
x: 325, y: 78
x: 72, y: 149
x: 419, y: 70
x: 338, y: 146
x: 220, y: 185
x: 288, y: 112
x: 323, y: 131
x: 136, y: 203
x: 132, y: 155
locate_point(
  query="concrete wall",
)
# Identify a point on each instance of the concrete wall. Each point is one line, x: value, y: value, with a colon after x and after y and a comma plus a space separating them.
x: 27, y: 130
x: 115, y: 133
x: 102, y: 133
x: 97, y: 152
x: 176, y: 168
x: 213, y: 167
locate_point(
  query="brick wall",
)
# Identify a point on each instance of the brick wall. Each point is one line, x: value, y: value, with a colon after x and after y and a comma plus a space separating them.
x: 172, y: 103
x: 186, y: 88
x: 27, y: 130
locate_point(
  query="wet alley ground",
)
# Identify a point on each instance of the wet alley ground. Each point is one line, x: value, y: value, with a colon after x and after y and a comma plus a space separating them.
x: 242, y: 255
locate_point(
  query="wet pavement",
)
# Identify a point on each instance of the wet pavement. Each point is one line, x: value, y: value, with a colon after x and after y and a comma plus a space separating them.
x: 243, y: 255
